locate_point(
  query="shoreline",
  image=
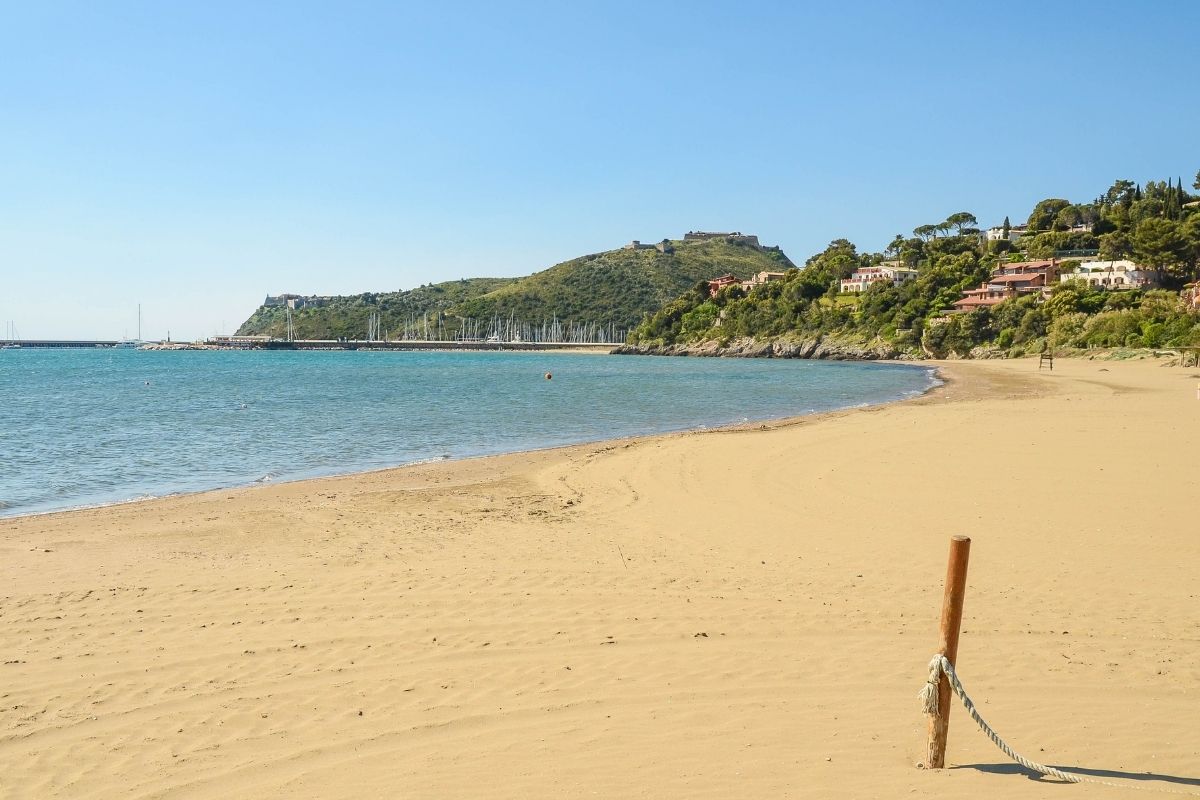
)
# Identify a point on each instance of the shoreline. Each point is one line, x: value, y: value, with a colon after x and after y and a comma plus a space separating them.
x: 934, y: 373
x: 737, y: 612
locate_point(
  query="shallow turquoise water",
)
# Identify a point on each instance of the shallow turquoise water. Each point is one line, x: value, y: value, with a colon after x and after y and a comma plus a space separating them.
x: 85, y: 427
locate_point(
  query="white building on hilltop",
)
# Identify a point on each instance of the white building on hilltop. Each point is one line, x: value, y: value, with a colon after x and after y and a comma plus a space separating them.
x: 997, y: 233
x: 1111, y: 275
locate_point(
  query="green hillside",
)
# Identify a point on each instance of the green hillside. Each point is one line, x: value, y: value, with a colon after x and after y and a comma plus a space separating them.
x: 347, y: 317
x: 613, y: 289
x: 620, y: 286
x: 1153, y: 228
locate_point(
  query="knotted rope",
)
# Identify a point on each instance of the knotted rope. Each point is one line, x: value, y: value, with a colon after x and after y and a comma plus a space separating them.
x: 940, y: 665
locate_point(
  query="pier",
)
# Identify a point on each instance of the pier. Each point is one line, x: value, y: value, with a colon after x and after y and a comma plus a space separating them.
x: 236, y: 343
x: 77, y: 343
x: 415, y: 344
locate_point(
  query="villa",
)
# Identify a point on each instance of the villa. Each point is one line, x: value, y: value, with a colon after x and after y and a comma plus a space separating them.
x: 1009, y: 280
x: 1048, y: 269
x: 864, y: 277
x: 997, y: 234
x: 1121, y: 274
x: 717, y: 284
x: 761, y: 278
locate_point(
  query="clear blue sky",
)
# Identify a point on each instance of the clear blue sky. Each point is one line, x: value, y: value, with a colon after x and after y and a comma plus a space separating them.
x: 194, y: 157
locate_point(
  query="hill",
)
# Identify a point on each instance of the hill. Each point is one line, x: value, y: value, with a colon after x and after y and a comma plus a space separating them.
x: 613, y: 290
x: 1120, y: 271
x: 348, y: 317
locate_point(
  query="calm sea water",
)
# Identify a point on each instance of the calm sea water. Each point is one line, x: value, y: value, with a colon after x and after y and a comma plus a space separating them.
x: 87, y: 427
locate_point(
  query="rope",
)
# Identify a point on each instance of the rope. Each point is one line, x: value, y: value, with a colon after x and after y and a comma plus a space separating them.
x: 940, y: 665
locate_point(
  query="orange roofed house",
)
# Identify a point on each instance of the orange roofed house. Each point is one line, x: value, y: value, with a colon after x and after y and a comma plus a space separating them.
x: 717, y: 284
x: 1008, y: 281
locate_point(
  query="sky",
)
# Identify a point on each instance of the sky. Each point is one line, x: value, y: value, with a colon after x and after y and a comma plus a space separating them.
x: 193, y: 157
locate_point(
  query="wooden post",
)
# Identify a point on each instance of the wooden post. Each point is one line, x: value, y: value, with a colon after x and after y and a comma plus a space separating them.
x: 952, y: 610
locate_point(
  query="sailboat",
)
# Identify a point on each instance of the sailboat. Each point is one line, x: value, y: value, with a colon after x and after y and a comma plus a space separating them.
x: 132, y: 344
x: 11, y: 340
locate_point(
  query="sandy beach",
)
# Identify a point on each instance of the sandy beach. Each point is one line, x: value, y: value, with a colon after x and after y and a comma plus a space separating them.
x: 720, y: 614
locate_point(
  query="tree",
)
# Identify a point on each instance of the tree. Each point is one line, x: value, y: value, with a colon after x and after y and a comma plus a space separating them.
x: 1173, y: 203
x: 1042, y: 217
x: 961, y: 220
x: 1042, y: 245
x: 1196, y: 183
x: 1067, y: 218
x: 1190, y: 231
x: 1007, y: 228
x: 1120, y: 193
x: 1115, y: 246
x: 925, y: 232
x: 1158, y: 244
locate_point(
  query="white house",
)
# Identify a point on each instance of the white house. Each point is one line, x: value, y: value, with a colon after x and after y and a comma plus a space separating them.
x: 761, y: 278
x: 1111, y: 275
x: 863, y: 277
x: 996, y: 234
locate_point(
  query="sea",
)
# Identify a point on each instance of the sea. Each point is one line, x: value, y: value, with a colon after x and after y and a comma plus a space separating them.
x: 85, y: 428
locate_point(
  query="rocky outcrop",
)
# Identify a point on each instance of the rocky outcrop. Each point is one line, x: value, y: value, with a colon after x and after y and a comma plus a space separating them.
x: 982, y: 352
x: 815, y: 347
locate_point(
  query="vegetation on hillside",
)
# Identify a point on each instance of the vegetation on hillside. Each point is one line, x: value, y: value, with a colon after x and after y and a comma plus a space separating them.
x: 620, y: 286
x: 1157, y: 225
x: 613, y: 289
x: 347, y: 317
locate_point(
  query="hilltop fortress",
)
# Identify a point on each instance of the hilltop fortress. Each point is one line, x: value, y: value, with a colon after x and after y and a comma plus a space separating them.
x: 294, y: 301
x: 732, y: 237
x: 735, y: 237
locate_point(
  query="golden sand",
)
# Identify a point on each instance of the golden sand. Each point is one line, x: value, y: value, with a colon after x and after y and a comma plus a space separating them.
x: 730, y: 614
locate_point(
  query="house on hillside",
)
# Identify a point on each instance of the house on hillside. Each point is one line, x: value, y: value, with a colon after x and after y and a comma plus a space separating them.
x: 717, y: 284
x: 761, y: 278
x: 1123, y: 274
x: 1048, y: 269
x: 1009, y: 280
x: 985, y: 296
x: 863, y: 277
x: 996, y: 234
